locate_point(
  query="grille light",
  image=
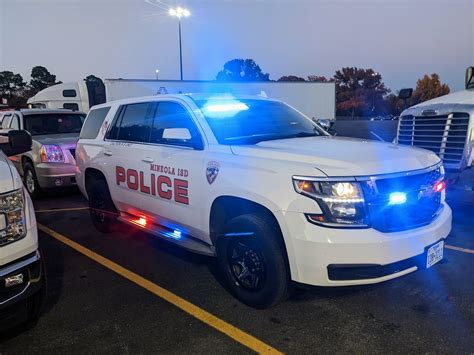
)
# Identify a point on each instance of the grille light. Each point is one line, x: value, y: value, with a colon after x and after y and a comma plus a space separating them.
x: 397, y: 198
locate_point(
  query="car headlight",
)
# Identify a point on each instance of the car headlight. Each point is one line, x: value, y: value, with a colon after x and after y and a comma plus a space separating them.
x: 342, y: 202
x: 12, y: 217
x: 51, y: 153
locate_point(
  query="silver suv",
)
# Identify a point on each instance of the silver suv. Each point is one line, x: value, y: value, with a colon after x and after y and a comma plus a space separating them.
x: 51, y: 162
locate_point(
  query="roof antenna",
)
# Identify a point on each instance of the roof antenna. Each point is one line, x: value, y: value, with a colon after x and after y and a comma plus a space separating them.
x: 162, y: 91
x: 263, y: 94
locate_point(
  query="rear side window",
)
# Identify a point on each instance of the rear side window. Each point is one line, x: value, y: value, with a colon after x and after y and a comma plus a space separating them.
x: 69, y: 93
x: 71, y: 106
x: 15, y: 122
x: 93, y: 122
x: 136, y: 122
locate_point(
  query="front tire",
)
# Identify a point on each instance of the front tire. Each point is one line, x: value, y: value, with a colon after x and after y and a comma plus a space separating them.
x: 101, y: 207
x: 31, y: 181
x: 253, y: 261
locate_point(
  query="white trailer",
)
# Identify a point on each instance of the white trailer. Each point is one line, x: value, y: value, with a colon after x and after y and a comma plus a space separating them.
x: 316, y: 100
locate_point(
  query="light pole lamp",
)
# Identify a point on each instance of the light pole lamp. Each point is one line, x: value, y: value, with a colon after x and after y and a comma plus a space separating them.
x: 180, y: 12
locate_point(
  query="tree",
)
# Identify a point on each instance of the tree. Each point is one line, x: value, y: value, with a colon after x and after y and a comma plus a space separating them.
x: 428, y: 88
x: 291, y: 78
x: 359, y: 91
x: 318, y: 79
x: 242, y: 70
x: 41, y: 78
x: 11, y: 84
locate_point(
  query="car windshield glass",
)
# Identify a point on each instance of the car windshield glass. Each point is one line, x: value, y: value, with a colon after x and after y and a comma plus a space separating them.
x: 251, y: 121
x: 53, y: 123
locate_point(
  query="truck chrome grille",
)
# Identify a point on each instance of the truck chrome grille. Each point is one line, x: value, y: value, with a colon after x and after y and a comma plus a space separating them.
x: 421, y: 208
x: 444, y: 135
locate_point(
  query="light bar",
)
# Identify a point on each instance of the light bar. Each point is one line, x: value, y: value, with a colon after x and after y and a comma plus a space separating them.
x: 230, y: 107
x: 397, y: 198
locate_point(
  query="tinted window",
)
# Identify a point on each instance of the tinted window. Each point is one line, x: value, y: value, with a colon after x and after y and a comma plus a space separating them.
x: 71, y: 106
x: 173, y: 115
x: 15, y: 122
x: 53, y: 123
x: 69, y: 93
x: 6, y: 121
x: 136, y: 122
x: 93, y: 122
x: 251, y: 121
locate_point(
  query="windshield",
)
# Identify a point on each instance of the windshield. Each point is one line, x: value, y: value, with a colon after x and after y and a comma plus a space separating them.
x: 53, y: 123
x: 251, y: 121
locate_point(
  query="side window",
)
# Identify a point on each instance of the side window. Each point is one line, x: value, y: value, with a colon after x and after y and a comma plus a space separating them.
x: 136, y: 122
x: 69, y: 93
x: 71, y: 106
x: 93, y: 122
x: 173, y: 115
x: 15, y: 122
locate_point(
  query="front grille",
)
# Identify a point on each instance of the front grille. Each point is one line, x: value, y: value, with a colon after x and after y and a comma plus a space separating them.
x: 422, y: 206
x: 445, y: 135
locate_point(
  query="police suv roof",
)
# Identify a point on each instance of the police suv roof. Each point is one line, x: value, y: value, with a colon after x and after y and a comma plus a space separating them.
x: 193, y: 96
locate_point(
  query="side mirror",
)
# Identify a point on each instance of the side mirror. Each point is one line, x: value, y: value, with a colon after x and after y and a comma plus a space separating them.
x: 469, y: 77
x: 180, y: 134
x: 18, y: 142
x: 325, y: 124
x: 405, y: 94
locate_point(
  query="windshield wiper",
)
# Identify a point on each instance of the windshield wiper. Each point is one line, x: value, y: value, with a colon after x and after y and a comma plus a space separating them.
x: 256, y: 138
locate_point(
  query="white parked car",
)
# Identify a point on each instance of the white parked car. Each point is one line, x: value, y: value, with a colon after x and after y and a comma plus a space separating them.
x: 21, y: 272
x: 260, y: 186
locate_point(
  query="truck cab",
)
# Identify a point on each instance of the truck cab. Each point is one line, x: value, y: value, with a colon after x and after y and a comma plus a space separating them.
x: 444, y: 125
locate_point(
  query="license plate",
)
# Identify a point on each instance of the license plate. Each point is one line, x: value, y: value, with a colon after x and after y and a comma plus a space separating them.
x: 434, y: 254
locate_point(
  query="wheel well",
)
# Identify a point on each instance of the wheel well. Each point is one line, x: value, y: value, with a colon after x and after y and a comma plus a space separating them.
x: 92, y: 175
x: 224, y: 208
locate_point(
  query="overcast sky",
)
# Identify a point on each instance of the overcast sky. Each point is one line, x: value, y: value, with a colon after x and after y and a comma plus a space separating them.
x: 401, y: 39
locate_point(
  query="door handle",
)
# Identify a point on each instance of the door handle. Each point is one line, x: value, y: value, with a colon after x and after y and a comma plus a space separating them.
x: 147, y: 160
x: 108, y: 153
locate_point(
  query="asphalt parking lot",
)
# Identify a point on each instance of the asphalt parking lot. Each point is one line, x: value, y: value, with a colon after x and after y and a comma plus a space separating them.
x: 128, y: 292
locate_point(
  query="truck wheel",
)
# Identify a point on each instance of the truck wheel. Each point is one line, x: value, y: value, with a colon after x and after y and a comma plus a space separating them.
x: 31, y: 181
x: 253, y: 261
x: 101, y: 207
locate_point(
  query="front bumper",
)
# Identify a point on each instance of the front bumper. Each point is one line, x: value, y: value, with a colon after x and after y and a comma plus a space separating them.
x: 52, y: 175
x: 13, y: 299
x: 313, y: 250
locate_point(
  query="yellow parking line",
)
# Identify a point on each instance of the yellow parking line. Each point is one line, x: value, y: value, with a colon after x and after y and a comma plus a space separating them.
x: 228, y: 329
x: 63, y: 209
x: 464, y: 250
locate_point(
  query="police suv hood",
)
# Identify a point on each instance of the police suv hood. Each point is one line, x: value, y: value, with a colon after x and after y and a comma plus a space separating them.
x: 58, y: 139
x: 337, y: 156
x: 9, y: 177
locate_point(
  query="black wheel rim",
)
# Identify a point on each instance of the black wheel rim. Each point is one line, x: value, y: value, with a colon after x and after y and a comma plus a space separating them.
x: 246, y: 264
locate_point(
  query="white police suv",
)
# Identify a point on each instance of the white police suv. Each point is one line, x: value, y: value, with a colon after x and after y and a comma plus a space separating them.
x: 259, y: 185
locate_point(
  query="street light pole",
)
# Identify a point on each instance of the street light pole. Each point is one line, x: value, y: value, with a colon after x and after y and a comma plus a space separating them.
x: 180, y: 50
x: 180, y: 12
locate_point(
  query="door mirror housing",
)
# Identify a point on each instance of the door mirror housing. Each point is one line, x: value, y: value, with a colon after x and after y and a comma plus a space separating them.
x: 469, y: 83
x: 324, y: 123
x: 405, y: 94
x: 179, y: 134
x: 17, y: 142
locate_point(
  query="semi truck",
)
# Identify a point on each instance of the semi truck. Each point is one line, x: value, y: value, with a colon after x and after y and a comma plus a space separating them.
x: 444, y: 125
x: 315, y: 100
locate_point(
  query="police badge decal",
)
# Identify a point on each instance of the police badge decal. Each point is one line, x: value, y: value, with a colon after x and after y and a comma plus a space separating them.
x: 212, y: 171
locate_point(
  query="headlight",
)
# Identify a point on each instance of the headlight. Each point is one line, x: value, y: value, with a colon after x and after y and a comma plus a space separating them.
x: 51, y: 154
x: 342, y: 203
x: 12, y: 217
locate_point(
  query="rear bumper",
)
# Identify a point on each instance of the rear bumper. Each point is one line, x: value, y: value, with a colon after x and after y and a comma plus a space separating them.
x: 52, y: 175
x: 13, y: 299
